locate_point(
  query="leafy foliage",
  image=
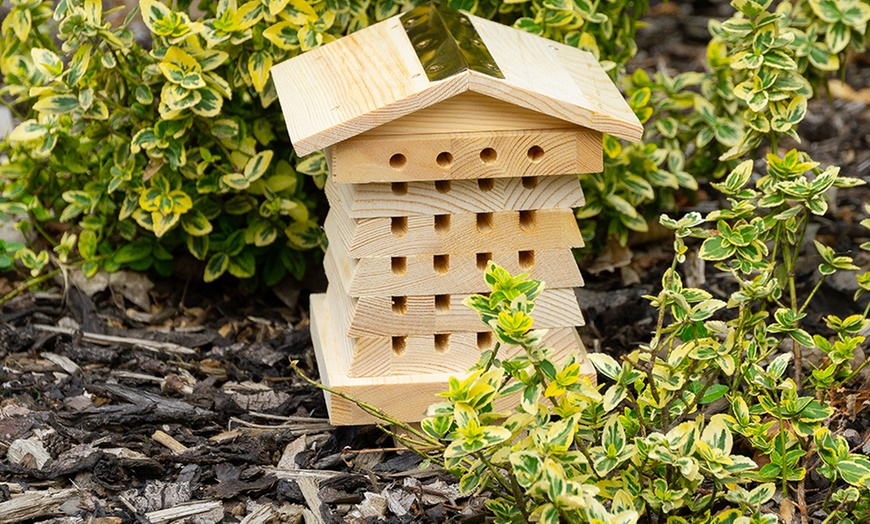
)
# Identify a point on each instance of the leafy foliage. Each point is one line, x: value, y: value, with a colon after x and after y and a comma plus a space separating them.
x: 181, y: 132
x: 763, y: 67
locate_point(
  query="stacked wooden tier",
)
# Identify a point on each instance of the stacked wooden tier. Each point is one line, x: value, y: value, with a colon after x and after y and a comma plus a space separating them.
x: 404, y: 255
x: 451, y: 140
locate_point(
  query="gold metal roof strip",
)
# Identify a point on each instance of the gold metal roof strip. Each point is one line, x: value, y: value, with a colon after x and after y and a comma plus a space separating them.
x: 447, y: 43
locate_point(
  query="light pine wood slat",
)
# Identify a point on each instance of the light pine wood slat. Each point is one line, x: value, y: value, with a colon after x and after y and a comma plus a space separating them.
x: 459, y: 196
x: 490, y: 154
x: 418, y: 315
x: 452, y: 116
x: 405, y: 397
x: 545, y: 229
x: 445, y: 313
x: 376, y: 276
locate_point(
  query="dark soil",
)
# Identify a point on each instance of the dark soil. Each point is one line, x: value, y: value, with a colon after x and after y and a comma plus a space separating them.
x: 176, y: 402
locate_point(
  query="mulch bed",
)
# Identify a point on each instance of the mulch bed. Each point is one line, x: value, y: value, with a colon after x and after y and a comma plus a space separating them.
x: 126, y: 401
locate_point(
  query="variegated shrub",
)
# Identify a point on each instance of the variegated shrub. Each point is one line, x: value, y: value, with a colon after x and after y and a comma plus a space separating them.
x: 170, y: 142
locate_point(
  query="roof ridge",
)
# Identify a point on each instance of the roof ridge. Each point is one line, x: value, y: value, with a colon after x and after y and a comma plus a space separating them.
x: 435, y: 35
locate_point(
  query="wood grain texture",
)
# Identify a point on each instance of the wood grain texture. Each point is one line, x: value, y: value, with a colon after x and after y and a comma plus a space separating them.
x: 426, y: 314
x: 613, y: 114
x: 406, y: 397
x: 382, y: 316
x: 373, y: 77
x: 460, y: 196
x: 457, y: 156
x: 453, y: 116
x: 462, y: 233
x: 376, y: 277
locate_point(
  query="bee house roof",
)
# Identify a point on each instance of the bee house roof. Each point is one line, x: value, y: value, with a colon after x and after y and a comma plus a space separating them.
x: 425, y: 56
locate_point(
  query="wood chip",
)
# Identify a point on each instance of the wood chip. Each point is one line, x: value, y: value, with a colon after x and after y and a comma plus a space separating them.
x: 29, y: 453
x: 287, y: 513
x: 188, y: 509
x: 34, y: 504
x: 63, y: 362
x: 167, y: 440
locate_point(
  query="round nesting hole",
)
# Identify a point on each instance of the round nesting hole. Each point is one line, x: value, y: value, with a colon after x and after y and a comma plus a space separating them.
x: 398, y: 161
x: 444, y: 159
x: 488, y: 156
x: 536, y: 154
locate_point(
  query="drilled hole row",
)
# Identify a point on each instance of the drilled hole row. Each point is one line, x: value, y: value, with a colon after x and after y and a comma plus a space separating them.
x: 400, y: 304
x: 444, y: 186
x: 442, y: 343
x: 441, y: 263
x: 488, y: 156
x: 399, y: 225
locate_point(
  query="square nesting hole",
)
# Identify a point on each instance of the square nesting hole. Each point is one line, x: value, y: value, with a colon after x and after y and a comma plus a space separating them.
x: 484, y: 222
x: 399, y: 226
x: 482, y: 260
x: 526, y: 259
x: 400, y: 344
x: 484, y: 340
x: 442, y: 224
x: 400, y: 305
x: 441, y: 263
x: 527, y: 220
x: 442, y: 303
x: 442, y: 342
x: 399, y: 265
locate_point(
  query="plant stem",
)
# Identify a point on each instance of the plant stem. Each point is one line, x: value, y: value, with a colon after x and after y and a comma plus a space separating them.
x: 857, y: 370
x: 812, y: 294
x: 368, y: 408
x: 519, y: 499
x: 27, y: 285
x: 793, y: 302
x: 12, y: 109
x: 39, y: 229
x: 495, y: 473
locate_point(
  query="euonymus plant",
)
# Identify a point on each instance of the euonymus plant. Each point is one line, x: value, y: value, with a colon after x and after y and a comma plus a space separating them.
x: 656, y: 442
x: 763, y: 64
x: 133, y: 149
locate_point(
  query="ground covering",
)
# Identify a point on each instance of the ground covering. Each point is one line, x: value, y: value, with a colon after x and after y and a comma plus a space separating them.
x: 126, y: 399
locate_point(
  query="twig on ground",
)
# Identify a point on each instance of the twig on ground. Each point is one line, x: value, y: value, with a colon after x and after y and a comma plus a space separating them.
x: 141, y: 343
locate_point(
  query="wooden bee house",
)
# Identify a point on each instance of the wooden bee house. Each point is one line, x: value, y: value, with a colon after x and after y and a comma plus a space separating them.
x: 451, y: 141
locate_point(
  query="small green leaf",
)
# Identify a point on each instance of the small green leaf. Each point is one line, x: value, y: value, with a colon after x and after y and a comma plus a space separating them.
x: 714, y: 393
x: 47, y: 62
x: 195, y: 223
x: 855, y: 470
x: 57, y: 104
x: 605, y: 364
x: 716, y: 248
x: 257, y: 165
x: 27, y: 131
x: 216, y: 267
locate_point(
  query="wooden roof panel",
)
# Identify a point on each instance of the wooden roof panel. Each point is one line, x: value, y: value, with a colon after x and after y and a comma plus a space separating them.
x: 374, y: 76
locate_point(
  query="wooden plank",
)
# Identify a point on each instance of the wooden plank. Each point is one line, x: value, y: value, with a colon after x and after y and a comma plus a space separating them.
x: 436, y: 354
x: 462, y: 233
x: 453, y: 116
x: 457, y: 156
x: 540, y: 73
x: 425, y: 314
x: 613, y: 114
x: 423, y: 275
x: 406, y: 397
x: 459, y: 196
x: 323, y: 103
x: 373, y: 76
